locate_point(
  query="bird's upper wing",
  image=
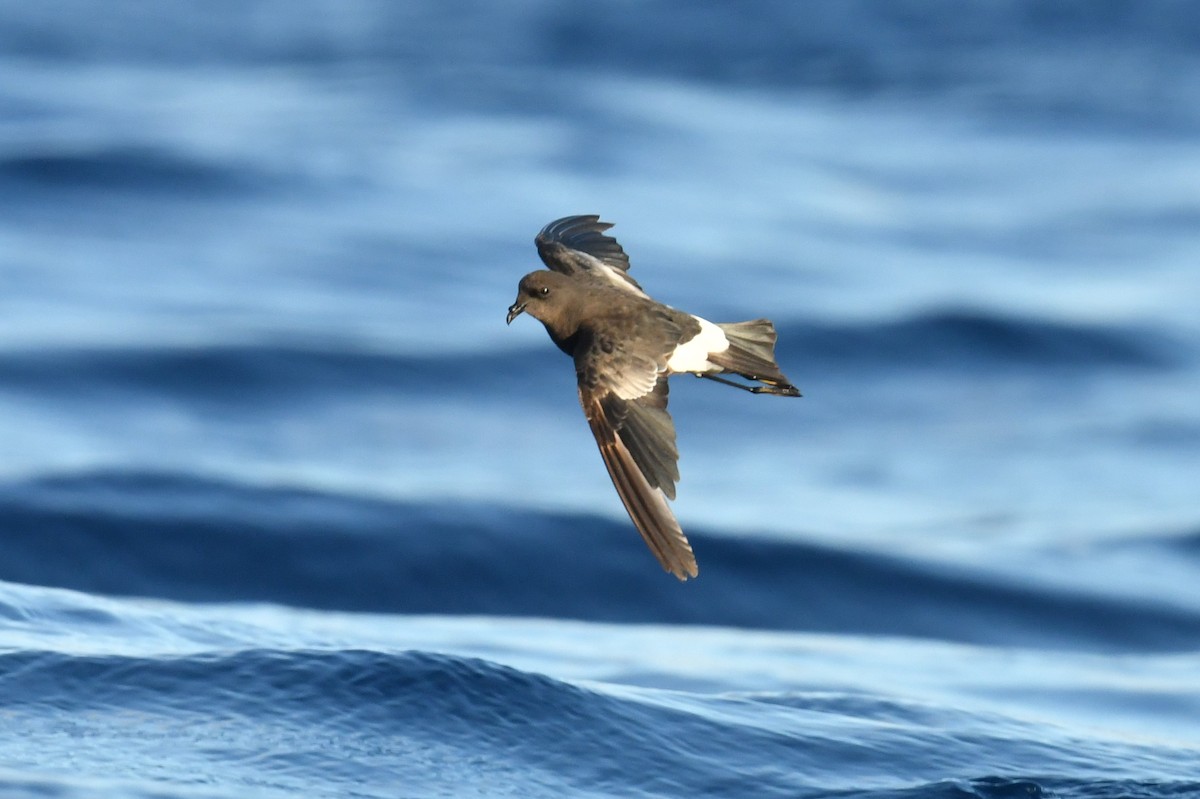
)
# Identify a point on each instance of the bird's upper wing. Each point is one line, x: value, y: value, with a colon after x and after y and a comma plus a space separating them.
x: 624, y: 398
x: 576, y: 245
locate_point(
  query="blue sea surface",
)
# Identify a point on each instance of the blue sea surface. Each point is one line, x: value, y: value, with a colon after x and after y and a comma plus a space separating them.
x: 286, y: 510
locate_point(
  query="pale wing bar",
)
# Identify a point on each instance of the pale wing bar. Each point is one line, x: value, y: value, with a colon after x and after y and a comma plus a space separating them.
x: 577, y: 245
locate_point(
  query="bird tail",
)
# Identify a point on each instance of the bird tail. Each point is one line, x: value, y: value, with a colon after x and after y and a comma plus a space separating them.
x: 751, y: 354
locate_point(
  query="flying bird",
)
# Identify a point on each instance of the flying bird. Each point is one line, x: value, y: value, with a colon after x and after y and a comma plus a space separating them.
x: 625, y: 345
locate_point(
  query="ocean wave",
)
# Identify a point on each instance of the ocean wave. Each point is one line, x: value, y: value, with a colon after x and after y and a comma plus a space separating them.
x: 997, y: 55
x: 128, y: 170
x: 179, y: 537
x: 971, y: 340
x: 161, y: 697
x: 951, y: 341
x: 238, y: 375
x: 329, y: 718
x: 882, y: 42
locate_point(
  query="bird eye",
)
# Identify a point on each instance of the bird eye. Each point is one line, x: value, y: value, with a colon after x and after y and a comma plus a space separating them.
x: 544, y: 290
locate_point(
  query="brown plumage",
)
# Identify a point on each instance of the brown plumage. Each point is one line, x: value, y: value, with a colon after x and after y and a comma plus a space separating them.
x: 625, y: 346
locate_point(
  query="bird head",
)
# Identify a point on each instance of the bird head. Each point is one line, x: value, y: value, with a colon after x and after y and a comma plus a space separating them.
x: 544, y: 295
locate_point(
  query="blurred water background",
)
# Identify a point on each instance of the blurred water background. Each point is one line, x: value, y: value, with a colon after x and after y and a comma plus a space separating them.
x: 285, y: 509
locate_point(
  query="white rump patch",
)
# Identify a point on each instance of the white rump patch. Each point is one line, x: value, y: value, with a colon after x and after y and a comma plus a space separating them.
x: 692, y: 355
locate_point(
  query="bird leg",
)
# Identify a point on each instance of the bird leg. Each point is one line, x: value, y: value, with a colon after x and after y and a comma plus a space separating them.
x: 789, y: 391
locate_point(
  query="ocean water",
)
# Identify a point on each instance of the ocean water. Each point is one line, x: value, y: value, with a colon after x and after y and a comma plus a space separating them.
x: 286, y: 510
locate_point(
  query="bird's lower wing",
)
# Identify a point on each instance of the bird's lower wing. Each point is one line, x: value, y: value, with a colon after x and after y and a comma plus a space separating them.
x: 647, y: 504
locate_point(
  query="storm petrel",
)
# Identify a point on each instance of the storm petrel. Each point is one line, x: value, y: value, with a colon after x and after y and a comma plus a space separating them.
x: 625, y: 346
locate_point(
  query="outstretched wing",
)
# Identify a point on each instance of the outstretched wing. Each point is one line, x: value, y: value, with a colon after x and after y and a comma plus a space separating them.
x: 625, y: 402
x: 576, y: 245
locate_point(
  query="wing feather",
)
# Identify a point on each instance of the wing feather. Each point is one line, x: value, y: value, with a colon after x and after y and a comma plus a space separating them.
x: 618, y: 439
x: 577, y: 245
x: 649, y: 435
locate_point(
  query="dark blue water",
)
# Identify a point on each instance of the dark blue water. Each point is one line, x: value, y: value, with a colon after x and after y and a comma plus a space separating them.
x: 286, y: 510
